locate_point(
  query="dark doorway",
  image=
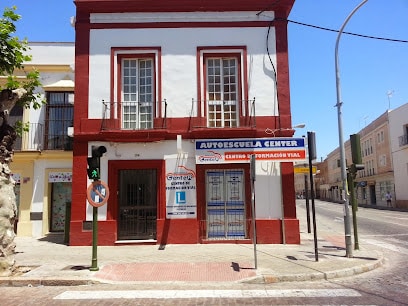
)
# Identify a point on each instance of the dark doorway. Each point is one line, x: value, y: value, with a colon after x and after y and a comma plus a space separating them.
x: 373, y: 198
x: 137, y: 200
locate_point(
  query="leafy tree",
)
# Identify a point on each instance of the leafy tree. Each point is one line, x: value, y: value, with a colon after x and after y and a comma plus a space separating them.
x: 12, y: 91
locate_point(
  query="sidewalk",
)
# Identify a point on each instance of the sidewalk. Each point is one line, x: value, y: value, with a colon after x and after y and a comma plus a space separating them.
x: 47, y: 261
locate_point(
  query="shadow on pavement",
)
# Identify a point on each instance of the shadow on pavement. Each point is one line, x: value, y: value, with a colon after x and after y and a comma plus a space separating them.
x: 57, y: 238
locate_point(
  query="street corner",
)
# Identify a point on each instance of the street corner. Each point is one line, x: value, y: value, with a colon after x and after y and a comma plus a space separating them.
x: 176, y: 272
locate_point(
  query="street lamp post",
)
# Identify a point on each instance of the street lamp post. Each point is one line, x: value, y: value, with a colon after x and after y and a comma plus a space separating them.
x: 347, y: 226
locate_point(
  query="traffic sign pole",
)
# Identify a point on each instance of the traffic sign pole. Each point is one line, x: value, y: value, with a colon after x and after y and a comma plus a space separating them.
x: 97, y: 195
x: 94, y: 266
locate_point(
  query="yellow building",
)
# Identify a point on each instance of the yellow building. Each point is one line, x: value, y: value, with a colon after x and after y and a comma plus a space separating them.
x: 42, y: 163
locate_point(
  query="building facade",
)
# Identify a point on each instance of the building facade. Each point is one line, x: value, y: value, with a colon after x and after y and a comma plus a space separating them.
x: 399, y: 150
x: 42, y: 162
x: 380, y: 151
x: 181, y: 94
x: 377, y: 178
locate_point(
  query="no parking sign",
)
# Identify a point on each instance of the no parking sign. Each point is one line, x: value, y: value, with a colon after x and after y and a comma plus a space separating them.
x: 97, y: 193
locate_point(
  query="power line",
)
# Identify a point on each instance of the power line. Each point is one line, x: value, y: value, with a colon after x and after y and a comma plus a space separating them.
x: 349, y: 33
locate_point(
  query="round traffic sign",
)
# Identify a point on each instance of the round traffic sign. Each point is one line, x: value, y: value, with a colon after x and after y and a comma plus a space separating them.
x: 97, y: 193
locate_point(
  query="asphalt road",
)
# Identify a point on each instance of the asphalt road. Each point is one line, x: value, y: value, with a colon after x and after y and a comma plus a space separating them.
x: 388, y: 285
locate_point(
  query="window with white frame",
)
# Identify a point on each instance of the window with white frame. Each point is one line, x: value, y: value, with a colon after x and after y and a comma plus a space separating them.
x: 137, y: 95
x: 222, y: 91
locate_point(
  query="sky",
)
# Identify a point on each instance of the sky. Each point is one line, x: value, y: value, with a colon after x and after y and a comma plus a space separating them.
x: 373, y: 72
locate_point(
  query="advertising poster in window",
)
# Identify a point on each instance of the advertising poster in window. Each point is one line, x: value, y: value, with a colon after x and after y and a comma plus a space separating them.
x: 235, y: 187
x: 235, y: 223
x: 215, y: 188
x: 181, y: 200
x: 216, y: 223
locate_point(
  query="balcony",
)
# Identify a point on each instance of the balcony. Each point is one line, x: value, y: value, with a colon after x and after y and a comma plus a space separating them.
x: 132, y: 116
x: 32, y: 139
x: 222, y: 114
x: 403, y: 140
x: 37, y: 138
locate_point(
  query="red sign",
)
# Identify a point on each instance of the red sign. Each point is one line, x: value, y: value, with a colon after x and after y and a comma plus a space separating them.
x: 266, y: 155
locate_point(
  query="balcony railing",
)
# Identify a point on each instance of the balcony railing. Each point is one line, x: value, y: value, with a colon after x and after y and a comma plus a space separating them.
x: 36, y: 139
x: 31, y: 139
x: 134, y: 115
x: 223, y: 114
x: 403, y: 140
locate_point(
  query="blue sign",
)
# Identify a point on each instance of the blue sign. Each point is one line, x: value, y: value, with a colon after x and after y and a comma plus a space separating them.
x: 181, y: 197
x: 255, y: 143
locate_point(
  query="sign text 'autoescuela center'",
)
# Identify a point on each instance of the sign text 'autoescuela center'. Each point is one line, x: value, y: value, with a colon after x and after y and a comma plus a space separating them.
x: 214, y: 151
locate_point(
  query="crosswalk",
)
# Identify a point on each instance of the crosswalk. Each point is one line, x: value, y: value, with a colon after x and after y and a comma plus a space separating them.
x: 188, y: 294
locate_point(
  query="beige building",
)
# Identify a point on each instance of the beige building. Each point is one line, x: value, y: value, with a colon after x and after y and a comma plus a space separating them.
x: 376, y: 179
x: 378, y: 176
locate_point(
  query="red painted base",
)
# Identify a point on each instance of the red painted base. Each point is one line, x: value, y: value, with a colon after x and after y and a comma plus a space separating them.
x: 270, y: 231
x: 177, y: 231
x: 186, y: 231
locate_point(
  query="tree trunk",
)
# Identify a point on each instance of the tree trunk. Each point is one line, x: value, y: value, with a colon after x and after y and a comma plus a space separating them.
x: 8, y: 208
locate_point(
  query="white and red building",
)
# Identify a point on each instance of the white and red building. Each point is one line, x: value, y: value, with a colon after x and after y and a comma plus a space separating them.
x: 181, y: 93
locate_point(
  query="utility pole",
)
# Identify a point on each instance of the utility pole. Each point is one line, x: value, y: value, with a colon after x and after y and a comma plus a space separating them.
x: 347, y: 225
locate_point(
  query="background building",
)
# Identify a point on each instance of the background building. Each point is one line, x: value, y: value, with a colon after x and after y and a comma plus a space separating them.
x: 378, y: 176
x: 383, y: 144
x: 399, y: 149
x: 42, y: 162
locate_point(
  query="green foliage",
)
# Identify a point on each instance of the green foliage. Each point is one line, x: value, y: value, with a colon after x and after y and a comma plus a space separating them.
x: 12, y: 50
x: 13, y: 56
x: 21, y: 127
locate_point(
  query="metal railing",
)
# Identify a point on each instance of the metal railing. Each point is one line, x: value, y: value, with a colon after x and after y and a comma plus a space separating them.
x: 134, y: 115
x: 31, y: 139
x: 34, y: 138
x: 223, y: 114
x: 403, y: 140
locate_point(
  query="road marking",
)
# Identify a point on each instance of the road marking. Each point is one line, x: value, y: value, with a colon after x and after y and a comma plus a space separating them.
x: 385, y: 235
x: 387, y: 246
x: 188, y: 294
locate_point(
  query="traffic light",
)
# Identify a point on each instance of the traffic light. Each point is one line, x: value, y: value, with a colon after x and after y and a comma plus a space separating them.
x: 94, y: 162
x: 311, y: 144
x: 355, y: 149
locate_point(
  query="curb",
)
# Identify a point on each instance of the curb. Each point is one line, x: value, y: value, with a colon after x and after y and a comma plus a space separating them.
x: 270, y: 278
x: 19, y: 281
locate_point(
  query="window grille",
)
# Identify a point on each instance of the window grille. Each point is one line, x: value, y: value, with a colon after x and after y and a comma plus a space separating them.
x: 59, y: 116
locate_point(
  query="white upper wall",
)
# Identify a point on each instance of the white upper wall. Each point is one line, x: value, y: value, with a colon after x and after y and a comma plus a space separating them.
x: 182, y: 17
x: 398, y: 119
x: 49, y: 53
x: 51, y: 57
x: 179, y: 57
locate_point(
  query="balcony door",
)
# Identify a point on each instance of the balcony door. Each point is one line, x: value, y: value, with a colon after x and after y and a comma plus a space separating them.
x: 137, y: 93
